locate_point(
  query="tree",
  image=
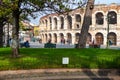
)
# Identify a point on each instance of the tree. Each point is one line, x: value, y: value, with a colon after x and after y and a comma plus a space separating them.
x: 2, y: 23
x: 86, y: 24
x: 3, y: 20
x: 27, y: 7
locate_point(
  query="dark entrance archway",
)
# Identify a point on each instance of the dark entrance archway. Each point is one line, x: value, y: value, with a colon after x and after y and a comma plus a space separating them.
x: 99, y: 38
x: 69, y: 22
x: 112, y: 37
x: 69, y: 38
x: 77, y: 37
x: 62, y: 39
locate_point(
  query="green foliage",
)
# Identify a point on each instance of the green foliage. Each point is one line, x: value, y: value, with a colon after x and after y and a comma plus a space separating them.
x: 4, y: 11
x: 33, y: 58
x: 28, y: 7
x: 21, y: 26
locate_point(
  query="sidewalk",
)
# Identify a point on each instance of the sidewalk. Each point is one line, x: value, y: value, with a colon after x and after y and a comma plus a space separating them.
x: 61, y: 74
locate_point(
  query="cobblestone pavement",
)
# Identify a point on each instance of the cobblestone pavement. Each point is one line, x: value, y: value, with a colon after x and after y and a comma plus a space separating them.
x: 61, y: 74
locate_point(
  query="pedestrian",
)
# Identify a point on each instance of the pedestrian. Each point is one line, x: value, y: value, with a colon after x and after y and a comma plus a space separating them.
x: 26, y: 44
x: 10, y: 40
x: 110, y: 42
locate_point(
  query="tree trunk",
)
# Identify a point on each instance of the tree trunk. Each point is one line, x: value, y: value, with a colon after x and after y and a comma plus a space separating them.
x: 1, y: 35
x: 8, y: 44
x: 15, y: 33
x: 86, y: 24
x: 2, y: 23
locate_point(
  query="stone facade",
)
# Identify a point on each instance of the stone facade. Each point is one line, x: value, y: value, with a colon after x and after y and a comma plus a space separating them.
x: 65, y: 28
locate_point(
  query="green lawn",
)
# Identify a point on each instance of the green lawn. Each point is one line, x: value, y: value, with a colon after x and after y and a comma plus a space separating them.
x: 34, y: 58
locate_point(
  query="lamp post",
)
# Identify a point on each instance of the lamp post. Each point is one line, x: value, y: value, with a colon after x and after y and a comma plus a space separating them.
x: 108, y: 20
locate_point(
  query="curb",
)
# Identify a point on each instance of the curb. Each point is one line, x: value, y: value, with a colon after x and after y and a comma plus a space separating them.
x: 57, y: 71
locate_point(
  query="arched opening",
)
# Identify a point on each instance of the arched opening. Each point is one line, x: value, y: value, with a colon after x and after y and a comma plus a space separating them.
x: 62, y: 23
x: 78, y: 20
x: 46, y: 22
x: 99, y: 18
x: 55, y: 23
x: 112, y: 37
x: 77, y: 35
x: 62, y: 39
x: 69, y: 22
x: 112, y: 17
x: 50, y: 36
x: 50, y: 20
x: 99, y: 38
x: 69, y: 38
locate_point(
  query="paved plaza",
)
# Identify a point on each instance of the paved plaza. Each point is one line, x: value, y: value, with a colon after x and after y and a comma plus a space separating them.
x: 41, y: 45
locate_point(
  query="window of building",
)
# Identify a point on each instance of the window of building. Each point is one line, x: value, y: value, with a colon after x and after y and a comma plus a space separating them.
x: 77, y: 26
x: 69, y: 18
x: 50, y: 19
x: 99, y: 18
x: 62, y: 22
x: 55, y: 22
x: 112, y: 17
x: 46, y: 22
x: 78, y: 18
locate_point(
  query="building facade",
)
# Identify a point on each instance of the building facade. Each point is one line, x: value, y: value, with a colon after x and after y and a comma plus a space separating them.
x: 66, y: 28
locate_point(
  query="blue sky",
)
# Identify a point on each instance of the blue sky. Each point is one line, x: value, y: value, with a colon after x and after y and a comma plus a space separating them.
x: 106, y: 1
x: 36, y: 21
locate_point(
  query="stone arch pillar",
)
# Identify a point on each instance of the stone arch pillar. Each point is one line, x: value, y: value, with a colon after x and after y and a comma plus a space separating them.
x: 73, y: 38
